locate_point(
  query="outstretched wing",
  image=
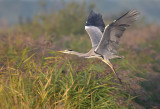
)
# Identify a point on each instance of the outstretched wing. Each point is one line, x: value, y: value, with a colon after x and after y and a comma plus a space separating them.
x: 95, y: 27
x: 95, y: 35
x: 114, y: 31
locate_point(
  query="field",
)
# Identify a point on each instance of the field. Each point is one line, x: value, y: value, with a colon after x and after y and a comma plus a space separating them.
x: 33, y: 75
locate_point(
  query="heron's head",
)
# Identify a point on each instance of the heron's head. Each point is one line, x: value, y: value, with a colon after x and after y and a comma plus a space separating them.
x: 68, y: 51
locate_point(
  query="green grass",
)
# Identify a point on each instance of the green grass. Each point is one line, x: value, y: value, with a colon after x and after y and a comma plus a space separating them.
x: 52, y: 82
x: 32, y: 77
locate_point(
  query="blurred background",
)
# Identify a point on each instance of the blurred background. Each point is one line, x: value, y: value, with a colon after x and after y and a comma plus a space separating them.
x: 13, y: 11
x: 31, y: 30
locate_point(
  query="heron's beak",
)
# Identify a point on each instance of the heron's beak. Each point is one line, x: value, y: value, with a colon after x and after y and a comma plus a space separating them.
x: 64, y: 51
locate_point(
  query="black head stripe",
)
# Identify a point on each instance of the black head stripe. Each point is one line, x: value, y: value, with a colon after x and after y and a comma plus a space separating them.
x: 69, y: 49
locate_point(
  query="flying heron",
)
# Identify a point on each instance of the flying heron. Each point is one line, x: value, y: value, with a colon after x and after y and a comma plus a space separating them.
x: 105, y: 39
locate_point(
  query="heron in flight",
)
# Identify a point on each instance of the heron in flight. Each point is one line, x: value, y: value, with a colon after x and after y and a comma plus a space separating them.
x: 105, y: 39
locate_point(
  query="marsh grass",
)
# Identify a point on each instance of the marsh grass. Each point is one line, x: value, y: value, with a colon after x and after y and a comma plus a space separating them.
x: 33, y: 75
x: 52, y: 82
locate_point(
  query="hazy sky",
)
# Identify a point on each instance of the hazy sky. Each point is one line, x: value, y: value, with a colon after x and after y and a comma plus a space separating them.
x: 11, y: 10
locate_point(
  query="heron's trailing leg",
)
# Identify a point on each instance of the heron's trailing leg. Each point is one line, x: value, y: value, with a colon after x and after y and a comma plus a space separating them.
x: 111, y: 66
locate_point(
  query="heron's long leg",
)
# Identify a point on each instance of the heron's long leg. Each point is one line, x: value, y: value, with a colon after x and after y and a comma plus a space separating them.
x: 111, y: 66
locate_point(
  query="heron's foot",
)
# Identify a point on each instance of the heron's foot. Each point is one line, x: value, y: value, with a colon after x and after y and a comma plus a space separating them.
x: 120, y: 80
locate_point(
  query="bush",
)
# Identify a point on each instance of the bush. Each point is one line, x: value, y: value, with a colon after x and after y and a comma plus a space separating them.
x: 69, y: 20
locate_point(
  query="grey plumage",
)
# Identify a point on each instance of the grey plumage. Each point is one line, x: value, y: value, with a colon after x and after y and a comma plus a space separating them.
x: 95, y: 27
x: 95, y: 35
x: 105, y: 41
x: 113, y: 32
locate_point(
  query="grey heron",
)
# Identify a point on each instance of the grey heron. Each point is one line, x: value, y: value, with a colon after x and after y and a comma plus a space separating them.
x: 105, y: 39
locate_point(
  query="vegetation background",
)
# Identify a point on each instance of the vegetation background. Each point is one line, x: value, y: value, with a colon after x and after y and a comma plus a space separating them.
x: 33, y: 75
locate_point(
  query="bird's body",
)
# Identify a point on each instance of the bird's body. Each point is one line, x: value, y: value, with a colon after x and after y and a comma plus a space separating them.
x: 105, y: 40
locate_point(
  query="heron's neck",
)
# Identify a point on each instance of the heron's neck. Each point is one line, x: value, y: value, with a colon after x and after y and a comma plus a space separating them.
x: 78, y: 54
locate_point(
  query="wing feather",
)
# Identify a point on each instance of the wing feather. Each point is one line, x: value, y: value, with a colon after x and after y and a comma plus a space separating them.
x: 95, y: 35
x: 112, y: 33
x: 95, y: 27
